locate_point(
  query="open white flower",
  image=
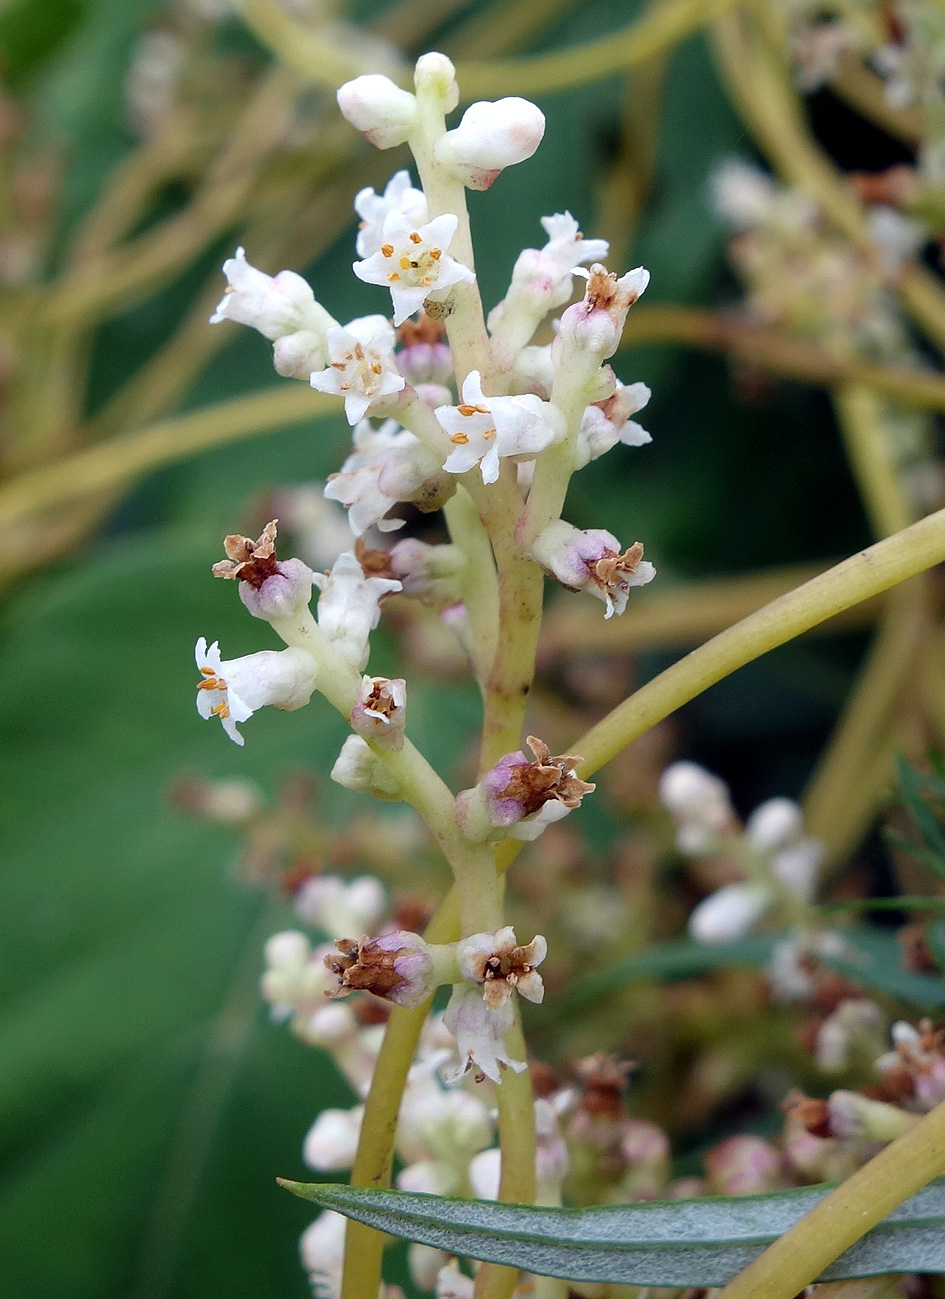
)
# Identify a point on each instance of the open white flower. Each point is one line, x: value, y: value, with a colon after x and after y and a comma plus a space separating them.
x: 484, y: 429
x: 349, y: 607
x: 372, y: 208
x: 233, y: 689
x: 361, y: 366
x: 413, y: 263
x: 387, y: 465
x: 276, y: 305
x: 608, y: 422
x: 480, y: 1034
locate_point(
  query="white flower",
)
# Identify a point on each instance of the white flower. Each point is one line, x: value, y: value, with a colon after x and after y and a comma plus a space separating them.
x: 331, y: 1143
x: 339, y: 907
x: 452, y: 1284
x: 608, y: 422
x: 429, y: 1177
x: 275, y: 305
x: 547, y: 273
x: 448, y: 1125
x: 483, y: 429
x: 485, y: 1173
x: 322, y: 1249
x: 360, y: 365
x: 378, y: 108
x: 387, y: 465
x: 233, y: 689
x: 425, y: 1263
x: 349, y: 606
x: 491, y: 136
x: 743, y: 195
x: 480, y: 1034
x: 295, y: 980
x: 413, y: 263
x: 372, y: 208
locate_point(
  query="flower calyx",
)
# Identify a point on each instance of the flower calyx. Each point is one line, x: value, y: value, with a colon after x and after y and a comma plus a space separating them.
x: 592, y: 560
x: 269, y: 588
x: 398, y: 967
x: 380, y: 712
x: 500, y: 964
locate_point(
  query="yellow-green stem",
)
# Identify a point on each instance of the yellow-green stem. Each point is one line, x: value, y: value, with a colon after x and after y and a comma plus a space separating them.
x: 847, y: 1214
x: 479, y: 583
x: 862, y: 576
x: 860, y: 415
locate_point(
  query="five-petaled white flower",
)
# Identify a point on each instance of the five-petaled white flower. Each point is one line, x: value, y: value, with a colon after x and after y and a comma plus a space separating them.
x: 480, y: 1034
x: 372, y: 208
x: 387, y: 465
x: 413, y: 262
x: 233, y: 689
x: 483, y: 429
x: 276, y: 305
x: 360, y: 365
x: 349, y: 606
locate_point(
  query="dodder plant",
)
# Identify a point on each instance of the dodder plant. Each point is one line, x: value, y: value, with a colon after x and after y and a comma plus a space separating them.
x: 484, y: 423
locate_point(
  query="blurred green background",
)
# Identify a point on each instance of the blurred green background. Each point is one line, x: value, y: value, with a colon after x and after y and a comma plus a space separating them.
x: 146, y: 1101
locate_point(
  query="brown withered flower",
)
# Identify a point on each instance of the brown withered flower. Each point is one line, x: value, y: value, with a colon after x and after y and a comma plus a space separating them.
x: 247, y: 560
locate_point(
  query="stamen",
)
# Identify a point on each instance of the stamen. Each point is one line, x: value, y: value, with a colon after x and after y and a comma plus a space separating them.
x: 460, y: 439
x: 436, y: 253
x: 466, y: 409
x: 220, y: 710
x: 387, y: 250
x: 415, y: 238
x: 208, y: 672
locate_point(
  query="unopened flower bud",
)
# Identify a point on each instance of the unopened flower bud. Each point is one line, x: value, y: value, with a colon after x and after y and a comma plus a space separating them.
x: 269, y: 588
x: 490, y: 137
x: 775, y: 823
x: 743, y: 1165
x: 520, y: 796
x: 485, y: 1171
x: 699, y: 804
x: 435, y: 77
x: 379, y: 109
x: 592, y: 560
x: 381, y: 711
x: 331, y: 1143
x: 357, y: 768
x: 853, y: 1032
x: 730, y: 912
x: 452, y: 1284
x: 428, y: 573
x: 297, y: 355
x: 425, y: 1263
x: 851, y: 1115
x: 428, y: 1177
x: 398, y: 967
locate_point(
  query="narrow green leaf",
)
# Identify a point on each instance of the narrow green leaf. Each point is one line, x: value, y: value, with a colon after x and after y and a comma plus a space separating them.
x: 911, y: 783
x: 905, y: 902
x: 913, y: 849
x: 671, y: 1243
x: 873, y: 957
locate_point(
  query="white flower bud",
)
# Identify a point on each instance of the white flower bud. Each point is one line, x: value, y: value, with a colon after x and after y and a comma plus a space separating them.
x: 428, y: 1177
x: 696, y: 799
x: 490, y: 137
x: 775, y: 823
x: 729, y: 912
x: 435, y: 77
x: 379, y: 109
x: 331, y: 1143
x: 485, y: 1171
x: 322, y: 1248
x: 297, y: 355
x: 357, y: 768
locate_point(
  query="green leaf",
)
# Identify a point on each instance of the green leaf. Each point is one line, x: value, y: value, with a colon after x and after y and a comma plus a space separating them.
x: 911, y: 784
x: 673, y: 1243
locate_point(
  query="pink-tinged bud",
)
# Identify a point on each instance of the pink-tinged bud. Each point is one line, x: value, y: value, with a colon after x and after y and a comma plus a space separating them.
x: 358, y: 769
x: 298, y: 355
x: 434, y: 78
x: 520, y: 796
x: 430, y: 574
x: 381, y: 711
x: 379, y: 109
x: 592, y: 561
x: 743, y: 1165
x: 269, y: 588
x: 643, y: 1143
x: 852, y: 1116
x: 687, y: 1188
x: 398, y: 967
x: 490, y: 137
